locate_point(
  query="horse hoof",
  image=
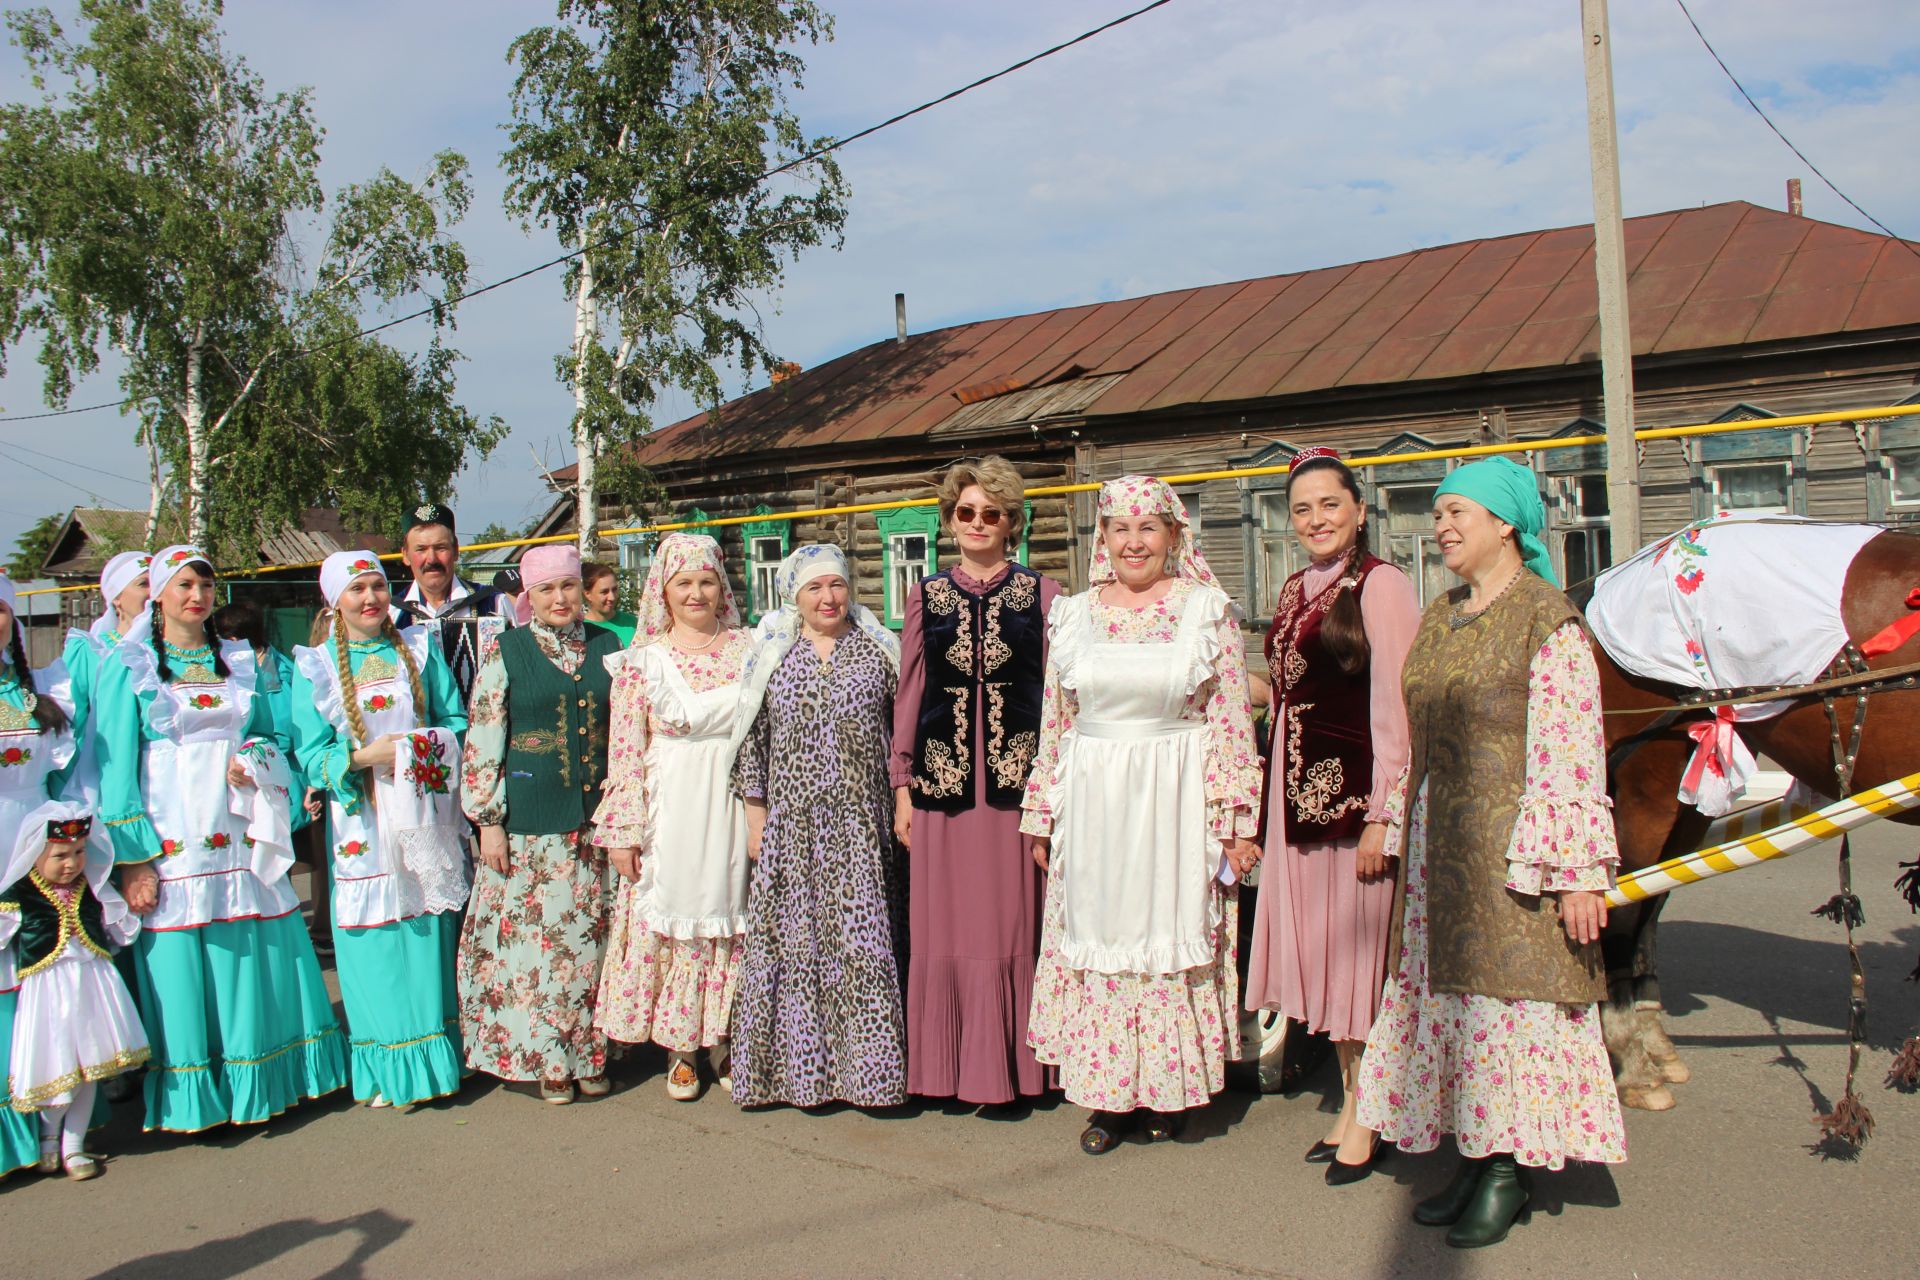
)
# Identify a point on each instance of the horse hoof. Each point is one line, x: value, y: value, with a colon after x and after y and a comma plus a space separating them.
x: 1648, y: 1097
x: 1672, y: 1070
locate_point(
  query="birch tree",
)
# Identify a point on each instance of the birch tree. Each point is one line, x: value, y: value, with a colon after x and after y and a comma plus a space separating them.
x: 641, y: 131
x: 150, y: 208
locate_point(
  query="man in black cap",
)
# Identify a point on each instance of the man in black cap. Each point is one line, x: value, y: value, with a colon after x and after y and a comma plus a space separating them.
x: 462, y: 615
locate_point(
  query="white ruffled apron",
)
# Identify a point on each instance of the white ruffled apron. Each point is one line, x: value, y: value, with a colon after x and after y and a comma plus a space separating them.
x: 694, y: 871
x: 205, y: 863
x: 1131, y: 842
x: 374, y: 881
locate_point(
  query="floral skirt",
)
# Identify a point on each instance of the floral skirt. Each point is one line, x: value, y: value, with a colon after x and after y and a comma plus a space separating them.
x: 1129, y: 1040
x: 1528, y: 1077
x: 529, y: 961
x: 673, y: 992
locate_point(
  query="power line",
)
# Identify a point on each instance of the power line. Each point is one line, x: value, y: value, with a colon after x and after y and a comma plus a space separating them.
x: 1768, y: 120
x: 564, y: 258
x: 54, y: 457
x: 22, y: 462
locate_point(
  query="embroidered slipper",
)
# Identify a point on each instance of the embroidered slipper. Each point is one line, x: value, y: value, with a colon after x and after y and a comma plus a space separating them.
x: 558, y: 1094
x: 683, y: 1080
x: 595, y: 1086
x: 82, y: 1167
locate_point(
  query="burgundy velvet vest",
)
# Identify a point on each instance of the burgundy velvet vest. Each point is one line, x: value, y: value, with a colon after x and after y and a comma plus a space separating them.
x: 1323, y: 736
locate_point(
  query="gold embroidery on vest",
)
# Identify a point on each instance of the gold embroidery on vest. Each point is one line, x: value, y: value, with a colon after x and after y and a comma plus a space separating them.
x: 1011, y: 761
x: 950, y: 765
x: 1310, y: 787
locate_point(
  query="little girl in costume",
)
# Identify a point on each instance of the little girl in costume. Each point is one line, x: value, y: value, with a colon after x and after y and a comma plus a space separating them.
x: 75, y: 1024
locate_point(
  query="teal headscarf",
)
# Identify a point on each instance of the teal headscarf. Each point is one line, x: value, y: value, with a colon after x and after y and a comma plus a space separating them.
x: 1512, y: 493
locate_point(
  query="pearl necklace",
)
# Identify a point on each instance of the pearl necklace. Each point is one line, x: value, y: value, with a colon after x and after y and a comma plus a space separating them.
x: 1460, y: 618
x: 684, y: 647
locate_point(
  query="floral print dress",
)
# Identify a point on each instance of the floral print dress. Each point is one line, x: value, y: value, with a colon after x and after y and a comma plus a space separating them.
x: 529, y: 960
x: 676, y: 992
x: 1529, y: 1077
x: 1129, y: 1040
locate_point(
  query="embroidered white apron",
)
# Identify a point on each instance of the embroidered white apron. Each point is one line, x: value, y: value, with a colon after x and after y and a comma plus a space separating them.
x: 1131, y: 841
x: 694, y: 872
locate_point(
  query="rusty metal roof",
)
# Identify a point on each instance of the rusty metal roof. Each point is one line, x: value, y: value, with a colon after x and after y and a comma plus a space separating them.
x: 1720, y: 276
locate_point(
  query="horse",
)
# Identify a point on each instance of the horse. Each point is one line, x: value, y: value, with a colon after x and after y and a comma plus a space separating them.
x: 1653, y: 824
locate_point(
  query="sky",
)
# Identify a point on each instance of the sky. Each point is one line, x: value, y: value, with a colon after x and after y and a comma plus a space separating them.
x: 1207, y: 141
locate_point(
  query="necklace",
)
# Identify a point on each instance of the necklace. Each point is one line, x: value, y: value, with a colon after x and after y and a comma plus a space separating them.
x: 199, y: 654
x: 684, y: 647
x: 1460, y: 618
x: 367, y: 646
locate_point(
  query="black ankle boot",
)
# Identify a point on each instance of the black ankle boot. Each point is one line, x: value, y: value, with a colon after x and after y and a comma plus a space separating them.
x: 1499, y: 1201
x: 1445, y: 1209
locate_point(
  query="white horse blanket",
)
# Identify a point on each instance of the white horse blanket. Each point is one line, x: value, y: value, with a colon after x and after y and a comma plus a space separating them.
x: 1726, y: 602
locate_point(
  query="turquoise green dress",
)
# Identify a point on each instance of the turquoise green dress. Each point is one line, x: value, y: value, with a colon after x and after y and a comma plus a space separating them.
x: 395, y: 957
x: 622, y: 625
x: 239, y: 1018
x: 34, y: 768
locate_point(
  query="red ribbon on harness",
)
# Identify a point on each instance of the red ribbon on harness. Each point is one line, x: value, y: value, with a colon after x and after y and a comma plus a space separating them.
x: 1895, y: 634
x: 1714, y: 753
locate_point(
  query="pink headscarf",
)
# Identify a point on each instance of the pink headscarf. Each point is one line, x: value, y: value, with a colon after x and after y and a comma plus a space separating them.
x: 543, y: 564
x: 1146, y: 496
x: 679, y: 553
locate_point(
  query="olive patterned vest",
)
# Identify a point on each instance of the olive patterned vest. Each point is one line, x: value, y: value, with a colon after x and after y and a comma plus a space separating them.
x: 557, y: 724
x: 985, y: 666
x: 1324, y: 749
x: 1466, y: 691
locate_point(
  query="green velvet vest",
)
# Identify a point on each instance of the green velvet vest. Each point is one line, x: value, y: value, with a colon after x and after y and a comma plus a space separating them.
x: 556, y: 733
x: 45, y: 926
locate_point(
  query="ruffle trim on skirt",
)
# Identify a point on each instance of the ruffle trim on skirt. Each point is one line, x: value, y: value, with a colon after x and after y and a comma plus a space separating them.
x: 193, y: 1097
x: 677, y: 993
x: 1129, y: 1040
x: 411, y: 1071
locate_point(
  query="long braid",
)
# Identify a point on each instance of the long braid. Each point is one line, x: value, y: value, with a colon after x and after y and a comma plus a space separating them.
x: 159, y: 639
x: 349, y: 691
x: 392, y: 633
x: 47, y: 713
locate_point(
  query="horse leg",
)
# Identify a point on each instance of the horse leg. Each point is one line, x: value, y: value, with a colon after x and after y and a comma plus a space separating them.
x: 1623, y: 1023
x: 1645, y: 994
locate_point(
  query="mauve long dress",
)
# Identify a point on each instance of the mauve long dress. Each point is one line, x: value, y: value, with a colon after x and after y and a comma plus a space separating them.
x: 973, y: 914
x: 1319, y: 950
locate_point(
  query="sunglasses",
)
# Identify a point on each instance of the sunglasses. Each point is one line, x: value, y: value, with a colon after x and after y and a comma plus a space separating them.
x: 988, y: 516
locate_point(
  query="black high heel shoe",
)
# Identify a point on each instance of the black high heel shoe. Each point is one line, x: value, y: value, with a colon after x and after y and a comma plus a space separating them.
x: 1340, y: 1173
x: 1104, y: 1131
x: 1321, y: 1152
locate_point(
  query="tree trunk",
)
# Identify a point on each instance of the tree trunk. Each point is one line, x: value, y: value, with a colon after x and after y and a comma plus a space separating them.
x: 153, y: 486
x: 194, y: 416
x: 586, y: 445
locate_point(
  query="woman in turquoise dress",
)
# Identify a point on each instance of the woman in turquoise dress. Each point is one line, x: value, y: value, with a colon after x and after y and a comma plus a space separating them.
x: 123, y: 585
x: 37, y: 758
x: 237, y: 1013
x: 365, y: 693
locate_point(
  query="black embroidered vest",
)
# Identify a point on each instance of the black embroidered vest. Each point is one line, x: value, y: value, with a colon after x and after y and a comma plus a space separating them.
x: 985, y: 665
x: 1323, y: 745
x: 46, y: 925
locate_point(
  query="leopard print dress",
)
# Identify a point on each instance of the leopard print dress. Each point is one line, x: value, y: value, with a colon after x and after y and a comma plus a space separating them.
x: 818, y: 1013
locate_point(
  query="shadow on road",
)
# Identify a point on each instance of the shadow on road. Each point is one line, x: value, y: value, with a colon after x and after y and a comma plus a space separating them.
x: 1785, y: 979
x: 237, y: 1255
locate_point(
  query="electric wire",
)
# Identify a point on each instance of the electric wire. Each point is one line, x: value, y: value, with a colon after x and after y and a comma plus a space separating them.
x: 565, y: 258
x: 1768, y: 121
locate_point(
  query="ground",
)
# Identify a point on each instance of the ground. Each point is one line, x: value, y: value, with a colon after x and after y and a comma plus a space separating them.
x: 495, y: 1183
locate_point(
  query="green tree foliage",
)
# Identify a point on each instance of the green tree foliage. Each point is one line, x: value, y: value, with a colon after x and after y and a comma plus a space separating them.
x: 149, y: 207
x: 641, y: 128
x: 30, y: 549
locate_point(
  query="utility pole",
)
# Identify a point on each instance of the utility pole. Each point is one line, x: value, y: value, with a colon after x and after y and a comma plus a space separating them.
x: 1610, y: 268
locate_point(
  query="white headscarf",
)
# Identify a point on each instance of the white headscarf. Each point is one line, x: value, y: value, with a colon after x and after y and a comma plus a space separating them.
x: 166, y: 562
x: 779, y: 630
x: 338, y: 571
x: 115, y: 578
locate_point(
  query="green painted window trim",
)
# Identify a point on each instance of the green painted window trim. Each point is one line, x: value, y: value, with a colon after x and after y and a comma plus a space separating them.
x: 895, y: 520
x: 1026, y: 531
x: 781, y: 529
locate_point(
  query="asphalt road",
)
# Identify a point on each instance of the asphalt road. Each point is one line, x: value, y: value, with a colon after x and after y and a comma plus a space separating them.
x: 495, y: 1183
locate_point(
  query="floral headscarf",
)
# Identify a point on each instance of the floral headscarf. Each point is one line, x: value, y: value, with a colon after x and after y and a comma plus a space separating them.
x: 1146, y: 496
x: 680, y: 553
x: 779, y: 630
